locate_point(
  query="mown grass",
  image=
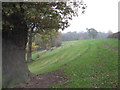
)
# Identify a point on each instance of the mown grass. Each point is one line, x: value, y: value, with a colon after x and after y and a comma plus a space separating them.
x: 88, y: 64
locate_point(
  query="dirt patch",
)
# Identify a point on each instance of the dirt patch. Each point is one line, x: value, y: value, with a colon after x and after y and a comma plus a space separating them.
x: 45, y: 80
x: 113, y: 49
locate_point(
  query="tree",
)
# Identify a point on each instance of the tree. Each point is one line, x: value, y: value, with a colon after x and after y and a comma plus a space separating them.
x: 14, y: 40
x: 109, y: 32
x: 47, y: 39
x: 18, y: 18
x: 69, y: 36
x: 29, y: 51
x: 92, y: 32
x: 57, y: 40
x: 53, y: 20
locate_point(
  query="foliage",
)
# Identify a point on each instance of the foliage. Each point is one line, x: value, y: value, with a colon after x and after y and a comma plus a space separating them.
x: 48, y: 40
x: 57, y: 41
x: 38, y: 17
x: 34, y: 46
x: 92, y: 32
x: 41, y: 15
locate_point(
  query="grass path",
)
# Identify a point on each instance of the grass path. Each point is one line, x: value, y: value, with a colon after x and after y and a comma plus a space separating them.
x: 87, y: 63
x: 113, y: 49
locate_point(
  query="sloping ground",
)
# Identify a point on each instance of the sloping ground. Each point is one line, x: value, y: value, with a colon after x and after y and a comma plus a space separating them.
x: 87, y: 64
x: 53, y: 60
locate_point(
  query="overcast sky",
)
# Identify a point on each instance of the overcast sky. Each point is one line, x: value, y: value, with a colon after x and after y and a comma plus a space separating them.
x: 100, y: 14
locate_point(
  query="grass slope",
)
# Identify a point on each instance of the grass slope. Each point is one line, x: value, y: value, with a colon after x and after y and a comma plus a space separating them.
x: 88, y: 63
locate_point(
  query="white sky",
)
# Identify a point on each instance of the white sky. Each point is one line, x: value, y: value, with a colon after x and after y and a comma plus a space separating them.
x: 100, y: 14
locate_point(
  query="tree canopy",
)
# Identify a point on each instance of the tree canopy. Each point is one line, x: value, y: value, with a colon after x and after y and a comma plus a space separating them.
x: 41, y: 15
x: 92, y: 32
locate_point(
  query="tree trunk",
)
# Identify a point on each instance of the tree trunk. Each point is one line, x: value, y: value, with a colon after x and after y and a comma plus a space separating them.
x: 29, y: 53
x: 14, y: 67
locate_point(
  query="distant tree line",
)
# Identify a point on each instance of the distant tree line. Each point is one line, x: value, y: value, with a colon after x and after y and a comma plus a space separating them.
x: 70, y: 36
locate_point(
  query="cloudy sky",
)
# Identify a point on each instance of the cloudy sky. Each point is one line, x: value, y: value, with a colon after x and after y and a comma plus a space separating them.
x: 100, y: 14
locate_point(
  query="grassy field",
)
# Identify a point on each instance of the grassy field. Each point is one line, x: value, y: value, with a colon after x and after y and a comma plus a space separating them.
x: 88, y: 63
